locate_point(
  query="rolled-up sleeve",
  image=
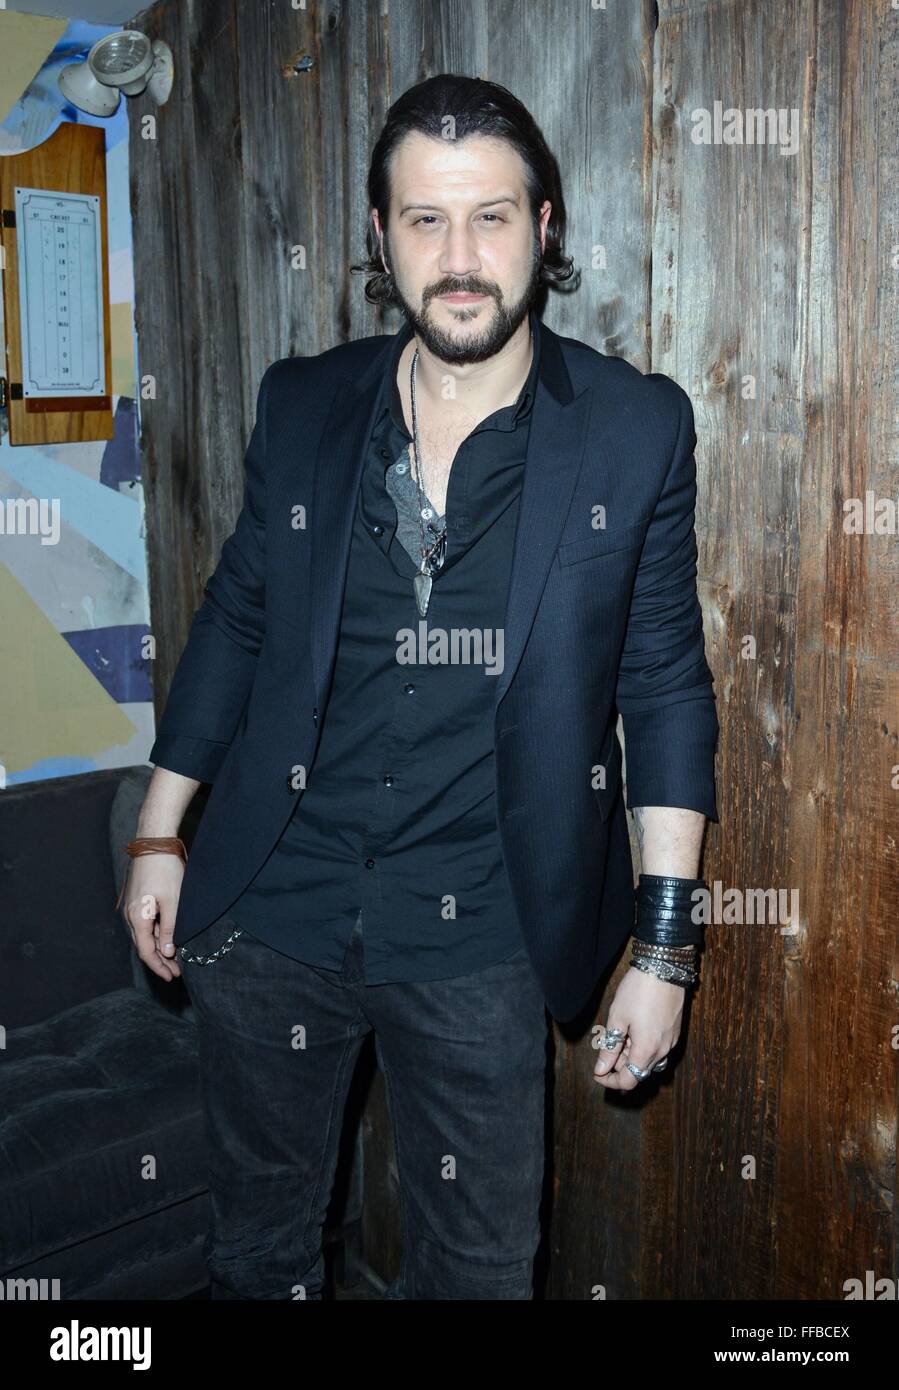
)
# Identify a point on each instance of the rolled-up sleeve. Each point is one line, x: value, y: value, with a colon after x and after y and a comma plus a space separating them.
x: 665, y: 688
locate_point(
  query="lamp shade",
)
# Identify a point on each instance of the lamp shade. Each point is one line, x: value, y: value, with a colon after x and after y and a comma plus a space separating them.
x: 79, y: 86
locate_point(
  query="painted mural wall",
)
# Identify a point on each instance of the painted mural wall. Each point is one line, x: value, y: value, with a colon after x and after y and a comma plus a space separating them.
x: 75, y: 687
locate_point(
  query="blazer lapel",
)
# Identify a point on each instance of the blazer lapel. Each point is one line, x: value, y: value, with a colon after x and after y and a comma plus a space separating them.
x: 338, y: 473
x: 552, y: 463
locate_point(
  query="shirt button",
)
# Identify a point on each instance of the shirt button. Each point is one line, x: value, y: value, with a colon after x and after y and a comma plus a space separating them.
x: 427, y: 513
x: 409, y: 689
x: 369, y: 863
x: 402, y: 468
x: 388, y: 781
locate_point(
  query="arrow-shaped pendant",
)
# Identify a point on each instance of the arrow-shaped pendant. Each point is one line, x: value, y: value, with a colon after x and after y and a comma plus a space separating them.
x: 422, y: 585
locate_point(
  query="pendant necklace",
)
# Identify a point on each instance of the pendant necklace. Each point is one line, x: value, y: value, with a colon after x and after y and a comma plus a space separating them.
x: 433, y: 552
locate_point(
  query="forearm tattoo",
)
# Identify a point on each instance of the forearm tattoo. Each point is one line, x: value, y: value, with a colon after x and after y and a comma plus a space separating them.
x: 641, y: 826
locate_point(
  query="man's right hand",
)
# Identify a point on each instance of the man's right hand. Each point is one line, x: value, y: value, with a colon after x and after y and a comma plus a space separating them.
x: 154, y: 887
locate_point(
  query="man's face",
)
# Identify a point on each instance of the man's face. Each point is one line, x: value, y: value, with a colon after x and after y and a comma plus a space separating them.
x: 461, y: 243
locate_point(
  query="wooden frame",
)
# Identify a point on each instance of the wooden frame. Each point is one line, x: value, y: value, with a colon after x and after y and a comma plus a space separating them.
x: 72, y: 160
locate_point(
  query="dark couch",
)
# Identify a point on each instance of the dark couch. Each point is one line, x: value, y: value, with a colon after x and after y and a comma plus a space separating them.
x: 102, y: 1162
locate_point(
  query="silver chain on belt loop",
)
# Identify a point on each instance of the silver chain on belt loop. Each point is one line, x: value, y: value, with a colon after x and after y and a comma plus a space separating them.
x: 214, y: 955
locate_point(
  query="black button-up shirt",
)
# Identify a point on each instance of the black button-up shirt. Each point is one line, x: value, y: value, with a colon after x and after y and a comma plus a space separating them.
x: 398, y: 817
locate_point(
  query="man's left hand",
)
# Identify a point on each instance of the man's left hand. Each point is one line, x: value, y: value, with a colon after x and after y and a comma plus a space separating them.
x: 648, y: 1011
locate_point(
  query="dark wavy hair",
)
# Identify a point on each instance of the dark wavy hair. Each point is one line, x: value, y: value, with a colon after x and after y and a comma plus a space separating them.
x: 477, y: 108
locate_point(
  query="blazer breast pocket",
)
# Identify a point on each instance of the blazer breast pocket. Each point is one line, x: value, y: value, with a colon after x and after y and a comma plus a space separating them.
x: 604, y: 542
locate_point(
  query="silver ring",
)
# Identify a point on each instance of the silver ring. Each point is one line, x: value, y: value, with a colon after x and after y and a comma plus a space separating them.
x: 660, y: 1066
x: 638, y: 1071
x: 612, y: 1037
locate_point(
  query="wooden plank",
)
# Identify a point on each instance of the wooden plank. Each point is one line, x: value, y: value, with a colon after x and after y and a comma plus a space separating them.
x: 198, y: 386
x: 764, y: 268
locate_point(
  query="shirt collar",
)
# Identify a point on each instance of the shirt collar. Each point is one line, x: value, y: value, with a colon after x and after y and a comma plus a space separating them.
x: 507, y: 418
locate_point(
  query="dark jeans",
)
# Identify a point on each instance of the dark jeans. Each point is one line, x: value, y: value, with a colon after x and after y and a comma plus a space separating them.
x: 464, y: 1063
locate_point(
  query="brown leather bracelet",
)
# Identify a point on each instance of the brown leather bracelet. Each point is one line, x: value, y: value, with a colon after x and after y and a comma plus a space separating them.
x: 152, y: 844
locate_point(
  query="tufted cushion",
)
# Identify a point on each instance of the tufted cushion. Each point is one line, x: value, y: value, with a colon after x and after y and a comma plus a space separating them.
x: 61, y: 943
x: 85, y: 1098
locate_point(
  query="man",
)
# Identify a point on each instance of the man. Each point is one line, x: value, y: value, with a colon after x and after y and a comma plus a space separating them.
x: 462, y: 551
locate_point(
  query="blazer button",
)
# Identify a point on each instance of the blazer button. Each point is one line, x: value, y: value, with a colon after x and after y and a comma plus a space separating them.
x: 315, y: 716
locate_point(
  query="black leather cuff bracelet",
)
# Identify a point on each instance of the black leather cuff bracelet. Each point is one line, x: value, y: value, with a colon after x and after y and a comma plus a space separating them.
x: 665, y: 907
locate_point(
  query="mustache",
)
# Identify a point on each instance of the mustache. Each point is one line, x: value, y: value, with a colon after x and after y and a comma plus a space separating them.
x: 454, y: 287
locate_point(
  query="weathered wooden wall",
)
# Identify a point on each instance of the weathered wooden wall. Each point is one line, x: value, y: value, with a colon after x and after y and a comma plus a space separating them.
x: 767, y: 286
x: 780, y: 269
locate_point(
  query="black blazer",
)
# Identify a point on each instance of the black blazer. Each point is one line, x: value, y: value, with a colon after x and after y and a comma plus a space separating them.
x: 599, y: 620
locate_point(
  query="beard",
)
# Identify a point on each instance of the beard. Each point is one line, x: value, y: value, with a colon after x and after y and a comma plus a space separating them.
x: 488, y: 341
